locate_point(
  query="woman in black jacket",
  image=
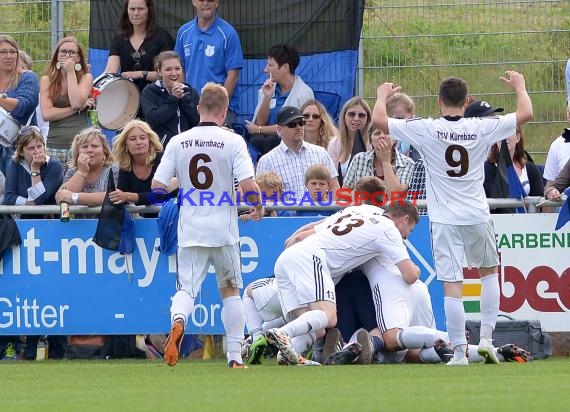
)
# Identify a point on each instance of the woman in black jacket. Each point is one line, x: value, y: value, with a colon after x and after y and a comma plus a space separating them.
x: 170, y: 105
x: 529, y: 176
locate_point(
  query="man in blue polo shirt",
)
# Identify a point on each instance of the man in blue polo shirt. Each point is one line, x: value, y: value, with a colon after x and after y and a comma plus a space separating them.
x: 210, y: 50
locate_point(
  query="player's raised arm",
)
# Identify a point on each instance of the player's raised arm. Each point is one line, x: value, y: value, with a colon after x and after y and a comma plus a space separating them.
x: 516, y: 82
x: 379, y: 114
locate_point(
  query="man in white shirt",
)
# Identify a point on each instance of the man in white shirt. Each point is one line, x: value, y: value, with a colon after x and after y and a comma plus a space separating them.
x: 207, y: 160
x: 558, y: 153
x: 454, y: 149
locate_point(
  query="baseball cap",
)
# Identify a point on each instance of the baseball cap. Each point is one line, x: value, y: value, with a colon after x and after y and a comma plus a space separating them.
x: 287, y: 114
x: 480, y: 108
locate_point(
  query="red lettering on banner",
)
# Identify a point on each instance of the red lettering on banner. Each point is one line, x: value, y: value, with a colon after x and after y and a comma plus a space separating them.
x: 515, y: 277
x: 526, y: 289
x: 548, y: 275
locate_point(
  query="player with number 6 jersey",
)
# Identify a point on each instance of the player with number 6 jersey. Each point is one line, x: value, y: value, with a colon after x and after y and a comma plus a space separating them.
x: 208, y: 160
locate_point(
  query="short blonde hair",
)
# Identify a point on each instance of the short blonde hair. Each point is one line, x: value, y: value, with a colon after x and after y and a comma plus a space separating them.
x: 86, y: 135
x: 399, y: 99
x: 270, y: 180
x: 213, y: 99
x: 317, y: 172
x: 121, y: 152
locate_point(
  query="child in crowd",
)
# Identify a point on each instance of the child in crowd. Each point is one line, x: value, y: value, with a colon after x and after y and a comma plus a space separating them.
x: 271, y: 186
x: 317, y: 184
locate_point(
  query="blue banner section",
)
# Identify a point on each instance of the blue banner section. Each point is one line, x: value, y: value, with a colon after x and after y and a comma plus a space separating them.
x: 59, y: 282
x: 333, y: 73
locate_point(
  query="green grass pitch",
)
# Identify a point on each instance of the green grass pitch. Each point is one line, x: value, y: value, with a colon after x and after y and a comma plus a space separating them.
x: 197, y: 385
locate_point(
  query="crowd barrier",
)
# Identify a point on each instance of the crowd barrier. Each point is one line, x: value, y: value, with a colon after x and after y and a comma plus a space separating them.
x: 59, y: 282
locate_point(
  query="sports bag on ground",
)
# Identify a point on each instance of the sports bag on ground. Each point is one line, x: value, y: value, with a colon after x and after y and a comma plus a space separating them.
x: 525, y: 333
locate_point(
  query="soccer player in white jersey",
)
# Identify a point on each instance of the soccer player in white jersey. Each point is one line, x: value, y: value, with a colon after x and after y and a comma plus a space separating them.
x: 207, y: 159
x: 454, y: 150
x: 306, y: 271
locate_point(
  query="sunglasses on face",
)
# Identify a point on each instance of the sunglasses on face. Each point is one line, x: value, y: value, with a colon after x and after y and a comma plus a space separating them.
x: 300, y: 122
x: 355, y: 114
x: 314, y: 116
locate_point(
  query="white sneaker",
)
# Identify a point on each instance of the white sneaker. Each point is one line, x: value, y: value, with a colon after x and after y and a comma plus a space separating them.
x: 486, y: 350
x: 463, y: 361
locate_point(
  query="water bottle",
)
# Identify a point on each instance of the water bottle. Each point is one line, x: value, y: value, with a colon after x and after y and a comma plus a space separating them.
x: 42, y: 351
x: 64, y: 210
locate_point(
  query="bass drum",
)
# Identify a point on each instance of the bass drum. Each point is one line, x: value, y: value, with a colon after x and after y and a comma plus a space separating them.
x: 9, y: 128
x: 117, y: 101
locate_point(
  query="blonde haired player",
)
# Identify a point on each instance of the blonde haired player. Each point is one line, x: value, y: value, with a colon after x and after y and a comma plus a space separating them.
x: 208, y: 159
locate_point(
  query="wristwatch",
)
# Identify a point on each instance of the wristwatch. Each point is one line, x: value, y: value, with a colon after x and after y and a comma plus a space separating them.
x: 34, y: 174
x: 3, y: 95
x: 74, y: 198
x: 144, y: 73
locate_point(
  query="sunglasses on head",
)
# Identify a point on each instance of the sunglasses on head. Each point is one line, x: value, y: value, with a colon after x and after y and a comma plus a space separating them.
x: 355, y: 114
x: 314, y: 116
x: 28, y: 130
x: 295, y: 123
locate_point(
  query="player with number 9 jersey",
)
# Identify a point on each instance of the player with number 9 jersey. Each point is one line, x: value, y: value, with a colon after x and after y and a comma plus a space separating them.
x: 456, y: 150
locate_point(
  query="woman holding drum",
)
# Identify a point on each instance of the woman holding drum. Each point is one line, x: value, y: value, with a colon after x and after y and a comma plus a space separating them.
x: 139, y: 41
x: 65, y: 96
x: 19, y: 90
x: 170, y: 105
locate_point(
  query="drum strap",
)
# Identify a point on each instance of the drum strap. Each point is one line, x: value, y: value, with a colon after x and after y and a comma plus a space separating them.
x: 178, y: 112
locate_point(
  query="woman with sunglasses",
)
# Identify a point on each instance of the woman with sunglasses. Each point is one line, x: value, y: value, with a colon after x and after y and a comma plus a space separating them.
x: 65, y: 96
x: 19, y: 91
x: 320, y: 128
x: 353, y: 138
x: 138, y: 42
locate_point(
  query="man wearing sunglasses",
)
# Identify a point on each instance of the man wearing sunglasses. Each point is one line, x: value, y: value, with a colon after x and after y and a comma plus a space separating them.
x: 293, y: 156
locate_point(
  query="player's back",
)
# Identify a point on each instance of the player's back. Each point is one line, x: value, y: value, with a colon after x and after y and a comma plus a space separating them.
x: 351, y: 237
x: 454, y: 152
x: 208, y: 160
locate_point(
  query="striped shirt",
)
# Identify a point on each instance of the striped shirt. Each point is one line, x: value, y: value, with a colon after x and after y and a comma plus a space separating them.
x: 363, y: 165
x: 291, y: 166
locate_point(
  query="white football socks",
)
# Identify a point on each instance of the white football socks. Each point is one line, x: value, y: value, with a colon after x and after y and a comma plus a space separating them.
x: 455, y: 314
x: 490, y: 298
x: 312, y: 320
x: 233, y: 319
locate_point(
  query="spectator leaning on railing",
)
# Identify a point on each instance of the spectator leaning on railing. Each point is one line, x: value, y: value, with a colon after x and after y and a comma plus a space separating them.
x: 555, y: 188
